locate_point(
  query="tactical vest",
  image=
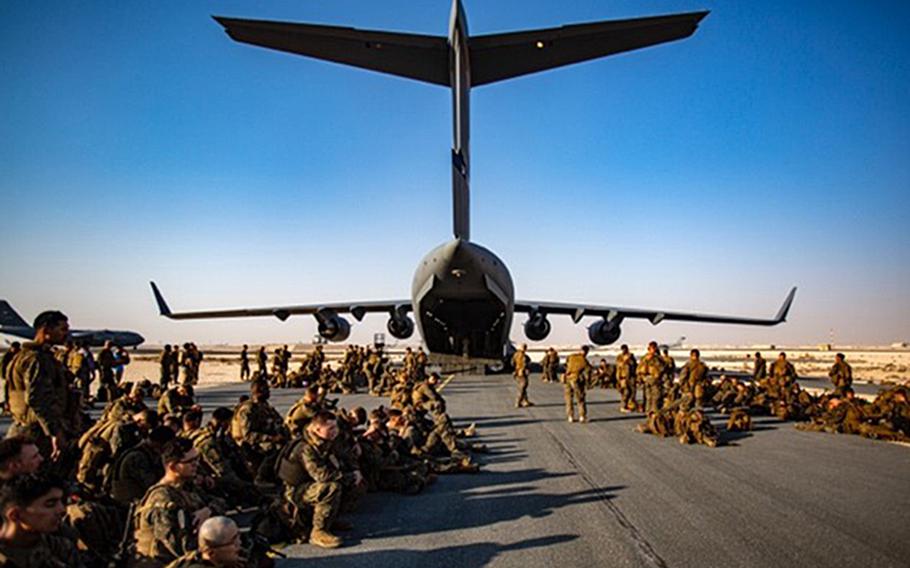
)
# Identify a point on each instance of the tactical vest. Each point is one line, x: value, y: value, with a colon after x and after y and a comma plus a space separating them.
x: 289, y: 469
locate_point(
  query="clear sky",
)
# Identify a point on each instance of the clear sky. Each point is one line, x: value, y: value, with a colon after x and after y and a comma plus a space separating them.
x: 771, y: 149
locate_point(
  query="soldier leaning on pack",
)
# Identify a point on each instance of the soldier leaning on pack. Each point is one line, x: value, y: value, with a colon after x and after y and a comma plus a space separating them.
x: 38, y: 387
x: 578, y: 370
x: 168, y: 518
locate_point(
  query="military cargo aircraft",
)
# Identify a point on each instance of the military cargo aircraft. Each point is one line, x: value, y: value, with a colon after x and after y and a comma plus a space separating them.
x: 462, y: 295
x: 11, y: 323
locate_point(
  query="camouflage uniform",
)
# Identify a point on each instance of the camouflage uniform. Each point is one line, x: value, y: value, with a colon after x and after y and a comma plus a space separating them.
x: 221, y: 457
x: 625, y: 379
x: 650, y: 371
x: 693, y: 379
x: 520, y: 362
x: 39, y: 396
x: 51, y: 551
x: 841, y: 376
x: 163, y: 522
x: 578, y: 370
x: 172, y: 402
x: 314, y: 479
x: 134, y: 471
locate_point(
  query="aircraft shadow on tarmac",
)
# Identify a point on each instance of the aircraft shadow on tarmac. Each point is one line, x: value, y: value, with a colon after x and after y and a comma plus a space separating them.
x: 485, y: 499
x: 478, y: 554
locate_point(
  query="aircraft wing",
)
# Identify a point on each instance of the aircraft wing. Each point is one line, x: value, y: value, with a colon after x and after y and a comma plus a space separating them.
x: 420, y: 57
x: 503, y: 56
x: 356, y: 309
x: 613, y: 313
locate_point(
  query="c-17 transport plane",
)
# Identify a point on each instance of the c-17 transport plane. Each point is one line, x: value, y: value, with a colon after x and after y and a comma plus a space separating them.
x: 11, y: 323
x: 462, y: 294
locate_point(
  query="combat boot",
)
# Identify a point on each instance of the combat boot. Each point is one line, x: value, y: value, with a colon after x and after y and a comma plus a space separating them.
x: 324, y: 539
x: 571, y: 419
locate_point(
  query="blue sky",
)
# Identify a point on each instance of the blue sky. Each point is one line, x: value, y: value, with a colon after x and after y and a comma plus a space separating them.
x: 770, y: 149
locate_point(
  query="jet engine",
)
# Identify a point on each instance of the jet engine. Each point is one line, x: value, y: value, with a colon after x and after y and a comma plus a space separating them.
x: 537, y: 327
x: 400, y: 326
x: 334, y: 328
x: 604, y: 332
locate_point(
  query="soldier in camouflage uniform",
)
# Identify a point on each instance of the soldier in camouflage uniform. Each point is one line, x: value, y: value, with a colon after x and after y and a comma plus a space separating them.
x: 14, y: 348
x: 176, y: 400
x: 625, y: 378
x: 32, y: 511
x: 39, y: 393
x: 578, y: 369
x: 164, y: 367
x: 783, y: 375
x: 693, y: 377
x: 222, y: 459
x: 219, y: 547
x: 520, y: 362
x: 314, y: 479
x: 139, y: 467
x: 841, y: 374
x: 245, y: 363
x: 550, y: 366
x: 669, y: 372
x: 259, y: 430
x: 168, y: 517
x: 760, y: 368
x: 650, y: 373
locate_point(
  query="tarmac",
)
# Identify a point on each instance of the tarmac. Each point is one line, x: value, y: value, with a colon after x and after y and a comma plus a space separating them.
x: 602, y: 494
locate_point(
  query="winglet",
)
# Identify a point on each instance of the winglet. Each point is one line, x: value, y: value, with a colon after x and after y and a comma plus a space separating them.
x: 785, y: 308
x: 162, y: 305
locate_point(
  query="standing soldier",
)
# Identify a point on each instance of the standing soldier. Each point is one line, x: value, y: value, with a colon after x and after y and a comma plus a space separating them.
x: 550, y: 366
x: 278, y: 379
x: 420, y: 363
x: 262, y: 360
x: 625, y: 378
x: 175, y: 363
x: 841, y: 375
x: 520, y: 362
x: 164, y: 364
x: 669, y: 371
x: 760, y: 368
x: 14, y: 348
x: 693, y: 377
x: 783, y: 375
x: 122, y: 359
x: 186, y: 364
x: 38, y: 389
x: 650, y: 372
x: 106, y: 363
x: 79, y: 366
x: 245, y: 363
x: 578, y: 369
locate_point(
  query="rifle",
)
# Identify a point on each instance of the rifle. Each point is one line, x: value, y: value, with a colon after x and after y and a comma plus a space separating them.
x: 122, y: 556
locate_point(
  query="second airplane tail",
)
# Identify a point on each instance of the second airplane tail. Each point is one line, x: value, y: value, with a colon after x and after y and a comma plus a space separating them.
x: 9, y: 317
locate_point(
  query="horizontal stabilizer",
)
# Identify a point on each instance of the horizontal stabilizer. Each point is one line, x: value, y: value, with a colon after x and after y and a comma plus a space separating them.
x: 503, y: 56
x: 420, y: 57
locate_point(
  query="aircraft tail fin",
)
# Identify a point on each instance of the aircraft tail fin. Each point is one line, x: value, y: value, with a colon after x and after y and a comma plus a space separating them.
x: 9, y: 317
x: 502, y: 56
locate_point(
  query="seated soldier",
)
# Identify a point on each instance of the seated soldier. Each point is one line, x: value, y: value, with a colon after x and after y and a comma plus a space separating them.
x: 18, y: 456
x: 167, y: 519
x: 314, y: 479
x: 259, y: 430
x: 221, y: 457
x: 176, y: 401
x: 303, y: 410
x: 139, y: 467
x: 219, y: 547
x: 32, y: 509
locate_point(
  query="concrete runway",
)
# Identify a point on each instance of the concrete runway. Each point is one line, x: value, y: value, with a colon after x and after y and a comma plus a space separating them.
x: 601, y: 494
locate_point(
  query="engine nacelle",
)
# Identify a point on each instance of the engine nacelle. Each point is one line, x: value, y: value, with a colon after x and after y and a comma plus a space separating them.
x: 537, y: 327
x: 604, y: 332
x: 334, y: 328
x: 401, y: 327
